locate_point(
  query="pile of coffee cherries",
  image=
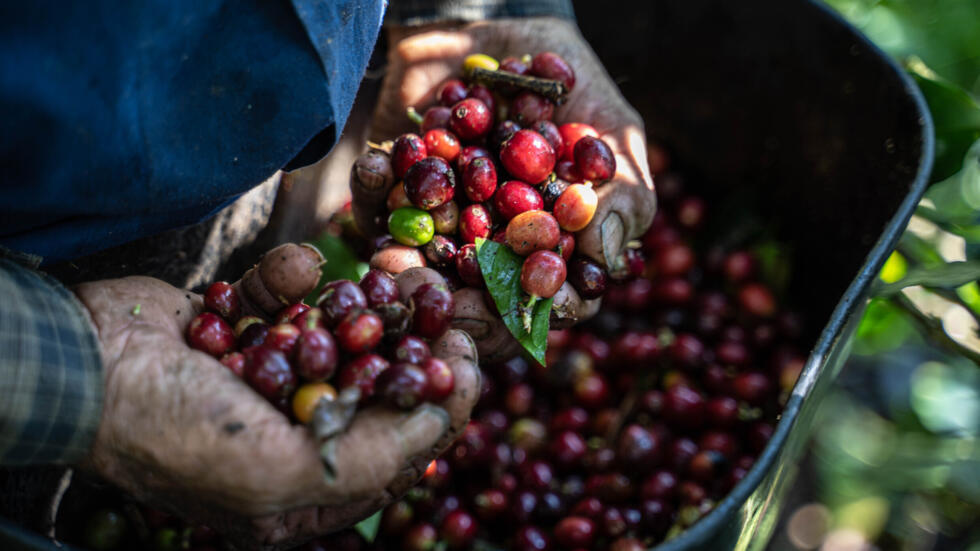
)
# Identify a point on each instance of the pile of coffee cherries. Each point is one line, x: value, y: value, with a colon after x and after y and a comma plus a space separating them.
x: 492, y: 165
x: 642, y: 420
x: 359, y: 336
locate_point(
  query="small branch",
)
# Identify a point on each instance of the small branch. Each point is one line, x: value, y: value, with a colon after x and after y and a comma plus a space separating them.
x: 933, y: 329
x: 554, y: 90
x: 955, y: 298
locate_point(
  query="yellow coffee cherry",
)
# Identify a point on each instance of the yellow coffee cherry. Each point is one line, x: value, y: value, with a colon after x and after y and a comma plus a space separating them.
x: 482, y: 61
x: 308, y: 396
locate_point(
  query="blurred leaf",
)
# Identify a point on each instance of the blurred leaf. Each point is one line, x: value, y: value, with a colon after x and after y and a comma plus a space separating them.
x: 919, y: 251
x: 956, y: 116
x: 501, y: 268
x: 341, y: 263
x: 775, y: 260
x: 941, y: 32
x: 368, y: 528
x: 867, y: 515
x: 956, y: 200
x: 894, y: 268
x: 950, y: 276
x: 947, y: 399
x: 883, y: 327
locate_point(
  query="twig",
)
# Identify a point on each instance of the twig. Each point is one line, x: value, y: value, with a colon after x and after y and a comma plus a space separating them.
x: 955, y: 298
x: 555, y: 90
x: 933, y: 329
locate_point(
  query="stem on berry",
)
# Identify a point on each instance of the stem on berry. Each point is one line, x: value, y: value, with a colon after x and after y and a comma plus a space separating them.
x: 554, y: 90
x: 414, y: 116
x: 527, y: 313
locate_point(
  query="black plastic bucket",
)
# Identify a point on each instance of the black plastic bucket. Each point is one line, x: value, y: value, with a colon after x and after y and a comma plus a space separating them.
x: 786, y: 113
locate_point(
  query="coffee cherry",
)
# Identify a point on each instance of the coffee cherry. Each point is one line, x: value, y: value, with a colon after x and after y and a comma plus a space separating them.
x: 552, y: 66
x: 480, y: 179
x: 515, y: 197
x: 732, y: 353
x: 429, y: 183
x: 566, y: 245
x: 575, y: 207
x: 421, y: 537
x: 638, y: 448
x: 739, y: 266
x: 267, y: 371
x: 684, y: 407
x: 575, y: 532
x: 752, y: 386
x: 440, y: 380
x: 722, y: 411
x: 434, y: 308
x: 339, y: 298
x: 470, y: 119
x: 687, y: 350
x: 759, y: 435
x: 316, y: 354
x: 721, y: 442
x: 291, y: 312
x: 222, y: 299
x: 568, y: 449
x: 530, y: 538
x: 656, y: 515
x: 411, y: 226
x: 474, y: 222
x: 490, y: 504
x: 396, y: 518
x: 588, y: 278
x: 105, y: 530
x: 411, y: 349
x: 532, y: 230
x: 550, y: 132
x: 594, y: 160
x: 360, y: 331
x: 362, y: 371
x: 675, y: 259
x: 591, y: 391
x: 501, y: 133
x: 565, y: 170
x: 234, y: 361
x: 459, y: 529
x: 528, y: 156
x: 442, y: 143
x: 402, y: 386
x: 282, y: 337
x: 612, y: 524
x: 469, y: 153
x: 468, y: 267
x: 570, y: 419
x: 518, y: 399
x: 308, y: 396
x: 482, y: 93
x: 529, y: 108
x: 706, y: 465
x: 407, y: 150
x: 397, y: 319
x: 253, y: 332
x: 571, y: 133
x: 397, y: 198
x: 210, y: 334
x: 627, y: 544
x: 435, y: 117
x: 451, y: 92
x: 659, y: 485
x: 542, y: 273
x: 441, y: 251
x: 379, y: 288
x: 551, y: 190
x: 690, y: 212
x: 756, y: 299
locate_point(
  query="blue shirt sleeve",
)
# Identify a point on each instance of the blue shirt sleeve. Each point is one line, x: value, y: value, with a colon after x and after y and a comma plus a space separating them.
x: 123, y: 119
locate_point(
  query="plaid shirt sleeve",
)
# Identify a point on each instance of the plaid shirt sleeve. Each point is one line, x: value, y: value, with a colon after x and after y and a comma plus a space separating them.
x: 419, y: 12
x: 50, y: 370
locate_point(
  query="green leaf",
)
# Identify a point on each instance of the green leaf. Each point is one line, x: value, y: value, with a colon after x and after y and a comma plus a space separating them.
x: 368, y: 528
x: 950, y: 276
x: 501, y: 268
x: 956, y: 117
x: 954, y: 203
x: 341, y: 263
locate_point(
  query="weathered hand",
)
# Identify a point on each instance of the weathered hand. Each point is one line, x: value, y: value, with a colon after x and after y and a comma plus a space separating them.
x: 182, y: 432
x: 422, y: 58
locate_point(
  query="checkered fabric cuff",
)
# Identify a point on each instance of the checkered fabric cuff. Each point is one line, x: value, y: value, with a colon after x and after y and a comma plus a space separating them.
x: 50, y: 369
x: 419, y: 12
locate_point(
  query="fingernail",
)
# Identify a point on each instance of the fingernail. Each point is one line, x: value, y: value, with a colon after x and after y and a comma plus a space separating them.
x: 423, y: 428
x: 612, y: 232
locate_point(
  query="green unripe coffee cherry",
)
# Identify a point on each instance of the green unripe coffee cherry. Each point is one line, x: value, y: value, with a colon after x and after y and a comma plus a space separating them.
x: 105, y: 530
x: 411, y: 226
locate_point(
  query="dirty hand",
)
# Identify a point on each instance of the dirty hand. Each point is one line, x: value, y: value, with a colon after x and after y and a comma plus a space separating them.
x: 182, y: 432
x: 422, y: 58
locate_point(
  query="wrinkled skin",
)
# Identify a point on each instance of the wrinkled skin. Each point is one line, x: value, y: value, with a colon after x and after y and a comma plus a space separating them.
x: 181, y: 432
x: 422, y: 58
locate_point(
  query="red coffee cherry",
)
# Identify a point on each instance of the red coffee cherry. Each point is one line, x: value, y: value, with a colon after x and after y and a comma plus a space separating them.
x: 528, y: 156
